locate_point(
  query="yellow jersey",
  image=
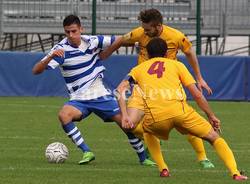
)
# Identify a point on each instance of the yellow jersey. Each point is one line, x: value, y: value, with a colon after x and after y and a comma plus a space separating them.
x: 175, y: 40
x: 160, y: 81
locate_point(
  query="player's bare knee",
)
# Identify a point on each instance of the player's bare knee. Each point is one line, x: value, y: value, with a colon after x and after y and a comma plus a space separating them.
x: 69, y: 113
x: 117, y: 118
x: 135, y: 115
x: 211, y: 136
x: 64, y: 116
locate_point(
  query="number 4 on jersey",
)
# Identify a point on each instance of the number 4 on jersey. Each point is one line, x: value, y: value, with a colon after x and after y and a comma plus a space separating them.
x: 157, y: 68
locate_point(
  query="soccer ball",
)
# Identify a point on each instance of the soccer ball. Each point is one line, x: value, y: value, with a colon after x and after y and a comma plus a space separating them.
x: 56, y: 152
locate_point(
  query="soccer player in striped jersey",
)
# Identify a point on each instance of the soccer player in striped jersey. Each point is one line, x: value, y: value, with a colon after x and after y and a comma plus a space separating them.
x: 164, y: 111
x: 79, y: 63
x: 152, y: 26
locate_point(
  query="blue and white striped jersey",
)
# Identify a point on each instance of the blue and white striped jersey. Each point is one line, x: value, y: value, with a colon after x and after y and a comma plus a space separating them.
x: 80, y: 65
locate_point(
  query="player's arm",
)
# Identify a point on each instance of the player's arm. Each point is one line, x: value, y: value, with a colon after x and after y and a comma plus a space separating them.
x: 125, y: 40
x: 204, y: 106
x: 113, y: 47
x: 121, y: 89
x: 188, y: 81
x: 42, y: 65
x: 193, y: 61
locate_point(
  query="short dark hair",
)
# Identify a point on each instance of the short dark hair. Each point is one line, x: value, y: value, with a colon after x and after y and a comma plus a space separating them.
x: 71, y: 19
x: 157, y: 47
x: 150, y: 15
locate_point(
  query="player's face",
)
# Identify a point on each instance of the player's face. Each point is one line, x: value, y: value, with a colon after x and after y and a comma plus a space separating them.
x: 151, y: 30
x: 73, y: 33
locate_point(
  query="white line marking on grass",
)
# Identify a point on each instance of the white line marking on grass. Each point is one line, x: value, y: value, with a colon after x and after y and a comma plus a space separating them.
x: 65, y: 169
x: 24, y: 148
x: 24, y: 111
x: 32, y: 137
x: 190, y: 151
x: 61, y: 168
x: 20, y: 137
x: 116, y: 150
x: 30, y: 105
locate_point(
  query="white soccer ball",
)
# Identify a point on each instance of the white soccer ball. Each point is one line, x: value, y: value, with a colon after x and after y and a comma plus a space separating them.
x: 56, y: 152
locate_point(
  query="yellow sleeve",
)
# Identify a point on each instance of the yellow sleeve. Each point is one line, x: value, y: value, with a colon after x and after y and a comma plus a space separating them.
x: 185, y: 76
x: 134, y: 74
x: 184, y: 43
x: 134, y: 35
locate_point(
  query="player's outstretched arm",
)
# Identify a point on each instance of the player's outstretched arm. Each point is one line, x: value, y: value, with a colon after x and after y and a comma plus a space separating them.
x: 113, y: 47
x: 193, y: 61
x: 203, y: 104
x: 41, y: 65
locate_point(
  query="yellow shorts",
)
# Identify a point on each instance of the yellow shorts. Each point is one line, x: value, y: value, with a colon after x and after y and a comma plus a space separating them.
x: 189, y: 123
x: 136, y: 100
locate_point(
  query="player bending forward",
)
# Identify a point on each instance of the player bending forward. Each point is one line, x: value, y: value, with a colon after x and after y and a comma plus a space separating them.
x: 79, y: 63
x: 165, y: 111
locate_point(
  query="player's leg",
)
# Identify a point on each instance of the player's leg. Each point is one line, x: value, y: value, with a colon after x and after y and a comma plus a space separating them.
x: 198, y: 146
x: 153, y: 132
x: 107, y: 108
x: 138, y: 130
x: 198, y: 126
x: 136, y: 102
x: 137, y: 117
x: 155, y: 151
x: 67, y: 115
x: 135, y: 141
x: 225, y: 154
x: 135, y: 109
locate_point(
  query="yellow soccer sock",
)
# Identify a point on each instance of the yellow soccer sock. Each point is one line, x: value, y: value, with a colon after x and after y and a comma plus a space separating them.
x: 155, y: 150
x: 198, y: 147
x: 226, y: 154
x: 138, y: 131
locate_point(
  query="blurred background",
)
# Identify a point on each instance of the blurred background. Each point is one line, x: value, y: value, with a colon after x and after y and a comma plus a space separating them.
x: 215, y: 27
x: 218, y: 29
x: 220, y: 34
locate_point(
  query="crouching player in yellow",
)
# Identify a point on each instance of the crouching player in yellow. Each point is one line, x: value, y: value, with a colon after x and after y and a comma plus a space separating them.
x: 165, y: 107
x: 152, y: 26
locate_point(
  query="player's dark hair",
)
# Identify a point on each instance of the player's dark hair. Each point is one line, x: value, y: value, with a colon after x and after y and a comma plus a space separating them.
x: 157, y: 47
x: 150, y: 15
x: 71, y: 19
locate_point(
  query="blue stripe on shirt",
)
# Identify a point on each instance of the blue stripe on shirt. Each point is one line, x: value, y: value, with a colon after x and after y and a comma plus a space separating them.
x: 100, y: 41
x: 71, y: 54
x: 81, y: 75
x: 112, y: 39
x: 75, y: 88
x: 68, y: 54
x: 81, y: 65
x: 48, y: 67
x: 59, y: 60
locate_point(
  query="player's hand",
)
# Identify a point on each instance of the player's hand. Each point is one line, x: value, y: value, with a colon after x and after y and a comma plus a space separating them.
x: 103, y: 55
x: 126, y: 122
x: 215, y: 122
x: 201, y: 83
x: 57, y: 53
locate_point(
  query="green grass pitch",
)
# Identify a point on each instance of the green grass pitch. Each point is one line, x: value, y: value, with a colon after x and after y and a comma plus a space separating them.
x: 28, y: 125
